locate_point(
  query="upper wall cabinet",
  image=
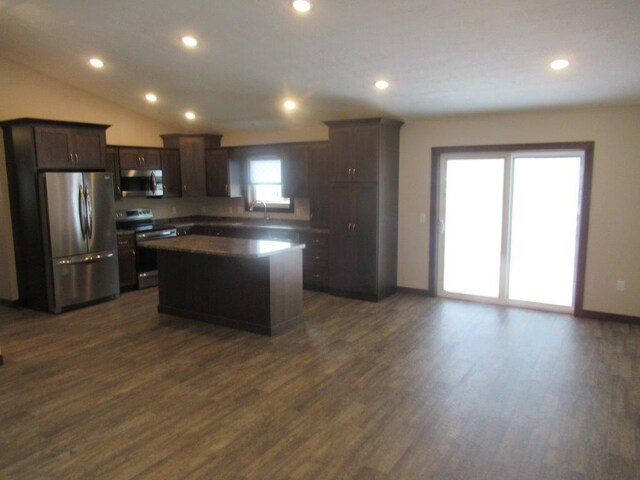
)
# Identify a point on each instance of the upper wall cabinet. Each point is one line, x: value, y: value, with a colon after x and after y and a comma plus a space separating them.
x: 70, y: 147
x: 171, y: 172
x: 224, y: 174
x: 318, y: 184
x: 355, y: 150
x: 295, y: 166
x: 140, y: 159
x: 192, y: 160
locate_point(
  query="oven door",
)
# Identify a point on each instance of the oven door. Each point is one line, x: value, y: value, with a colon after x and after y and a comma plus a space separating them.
x: 147, y: 258
x: 141, y: 183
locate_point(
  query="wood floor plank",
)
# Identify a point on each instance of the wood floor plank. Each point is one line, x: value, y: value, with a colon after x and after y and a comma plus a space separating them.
x: 408, y: 388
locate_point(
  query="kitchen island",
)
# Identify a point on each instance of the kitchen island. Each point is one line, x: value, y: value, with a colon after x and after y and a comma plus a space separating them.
x: 253, y: 285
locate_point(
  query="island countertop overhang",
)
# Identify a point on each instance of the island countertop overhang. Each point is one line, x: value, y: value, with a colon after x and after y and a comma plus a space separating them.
x: 223, y: 246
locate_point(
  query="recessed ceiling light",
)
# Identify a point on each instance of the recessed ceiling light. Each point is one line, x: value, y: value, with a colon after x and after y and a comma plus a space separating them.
x: 559, y: 64
x: 381, y: 84
x: 190, y: 41
x: 290, y: 105
x: 96, y: 63
x: 302, y: 6
x: 190, y: 115
x: 151, y: 97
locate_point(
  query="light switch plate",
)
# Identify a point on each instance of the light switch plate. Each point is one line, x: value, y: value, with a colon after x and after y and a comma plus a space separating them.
x: 620, y: 285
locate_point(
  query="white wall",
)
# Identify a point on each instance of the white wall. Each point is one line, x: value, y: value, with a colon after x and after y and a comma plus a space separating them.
x: 613, y: 250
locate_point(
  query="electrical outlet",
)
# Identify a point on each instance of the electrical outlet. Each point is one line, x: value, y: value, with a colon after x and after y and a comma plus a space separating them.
x: 422, y: 218
x: 173, y: 210
x: 620, y: 285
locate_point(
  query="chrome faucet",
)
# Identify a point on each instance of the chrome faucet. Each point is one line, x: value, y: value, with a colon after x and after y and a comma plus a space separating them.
x: 266, y: 212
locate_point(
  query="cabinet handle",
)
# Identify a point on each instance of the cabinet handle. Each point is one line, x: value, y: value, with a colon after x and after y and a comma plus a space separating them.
x: 317, y: 257
x: 354, y: 228
x: 350, y: 172
x: 349, y: 228
x: 71, y: 158
x: 316, y: 275
x: 184, y: 187
x: 226, y: 188
x: 142, y: 157
x: 354, y: 173
x: 315, y: 241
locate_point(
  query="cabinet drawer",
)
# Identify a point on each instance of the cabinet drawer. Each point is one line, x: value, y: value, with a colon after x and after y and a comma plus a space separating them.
x: 315, y: 256
x: 314, y: 277
x: 315, y: 240
x: 126, y: 242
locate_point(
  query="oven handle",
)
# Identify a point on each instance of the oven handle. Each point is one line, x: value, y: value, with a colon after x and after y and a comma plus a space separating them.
x: 157, y: 234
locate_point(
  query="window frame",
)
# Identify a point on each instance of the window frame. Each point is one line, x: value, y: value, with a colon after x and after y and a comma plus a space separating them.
x: 249, y: 187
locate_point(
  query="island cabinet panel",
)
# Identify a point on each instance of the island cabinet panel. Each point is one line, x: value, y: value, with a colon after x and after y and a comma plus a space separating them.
x: 295, y: 168
x: 170, y: 159
x: 224, y: 174
x: 261, y: 295
x: 140, y: 159
x: 364, y: 207
x: 192, y: 160
x: 70, y: 148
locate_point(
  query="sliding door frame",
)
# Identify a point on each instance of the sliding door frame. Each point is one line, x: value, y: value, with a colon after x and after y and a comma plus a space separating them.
x: 586, y: 175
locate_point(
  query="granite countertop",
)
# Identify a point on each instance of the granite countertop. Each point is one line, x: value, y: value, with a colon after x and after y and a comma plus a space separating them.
x: 290, y: 225
x: 223, y: 246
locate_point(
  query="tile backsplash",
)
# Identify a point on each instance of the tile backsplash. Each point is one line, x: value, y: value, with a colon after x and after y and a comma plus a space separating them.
x: 219, y: 207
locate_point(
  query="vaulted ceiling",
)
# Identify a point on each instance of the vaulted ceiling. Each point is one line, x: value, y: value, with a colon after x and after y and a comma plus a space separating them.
x: 442, y: 57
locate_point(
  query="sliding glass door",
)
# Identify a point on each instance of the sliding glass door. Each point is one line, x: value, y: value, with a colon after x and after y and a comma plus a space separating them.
x: 508, y: 225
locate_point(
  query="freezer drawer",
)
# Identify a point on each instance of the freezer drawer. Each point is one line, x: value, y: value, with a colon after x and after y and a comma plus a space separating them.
x: 84, y: 278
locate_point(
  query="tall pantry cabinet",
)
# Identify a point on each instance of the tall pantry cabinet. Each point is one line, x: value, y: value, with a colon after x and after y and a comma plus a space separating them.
x: 364, y: 207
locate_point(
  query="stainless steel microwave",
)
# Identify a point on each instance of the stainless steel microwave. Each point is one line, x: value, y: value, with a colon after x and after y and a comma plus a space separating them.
x: 141, y: 183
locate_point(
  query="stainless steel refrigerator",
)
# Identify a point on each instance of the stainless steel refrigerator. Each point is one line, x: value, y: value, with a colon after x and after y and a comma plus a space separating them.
x: 80, y: 237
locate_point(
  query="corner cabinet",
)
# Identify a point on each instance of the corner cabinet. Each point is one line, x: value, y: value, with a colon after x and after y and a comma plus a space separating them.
x: 364, y: 207
x: 192, y: 160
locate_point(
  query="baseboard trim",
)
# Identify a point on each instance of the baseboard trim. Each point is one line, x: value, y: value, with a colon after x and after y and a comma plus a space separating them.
x: 416, y: 291
x: 9, y: 303
x: 611, y: 317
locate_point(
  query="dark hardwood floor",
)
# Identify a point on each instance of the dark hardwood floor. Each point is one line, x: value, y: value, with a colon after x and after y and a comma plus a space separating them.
x: 409, y: 388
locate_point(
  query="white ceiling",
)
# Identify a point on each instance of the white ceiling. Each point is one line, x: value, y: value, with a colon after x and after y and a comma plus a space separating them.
x: 442, y: 57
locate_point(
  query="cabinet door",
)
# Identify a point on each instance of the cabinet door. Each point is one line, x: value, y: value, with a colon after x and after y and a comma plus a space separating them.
x: 170, y: 160
x: 341, y: 140
x: 54, y: 147
x: 365, y: 151
x: 318, y: 182
x: 150, y: 159
x: 364, y: 238
x: 127, y: 266
x: 295, y: 160
x: 340, y: 245
x: 130, y: 159
x: 89, y: 148
x: 192, y: 167
x: 112, y: 165
x: 217, y: 162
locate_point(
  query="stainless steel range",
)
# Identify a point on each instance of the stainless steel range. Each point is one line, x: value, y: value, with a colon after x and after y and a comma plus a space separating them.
x: 140, y: 220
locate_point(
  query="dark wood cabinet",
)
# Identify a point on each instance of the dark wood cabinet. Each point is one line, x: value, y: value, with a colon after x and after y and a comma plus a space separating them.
x: 315, y: 260
x: 224, y: 174
x: 70, y: 148
x: 32, y: 145
x: 140, y: 159
x: 318, y: 184
x: 192, y: 160
x: 294, y: 168
x: 170, y: 160
x: 127, y: 261
x: 113, y: 165
x: 364, y: 207
x: 355, y: 152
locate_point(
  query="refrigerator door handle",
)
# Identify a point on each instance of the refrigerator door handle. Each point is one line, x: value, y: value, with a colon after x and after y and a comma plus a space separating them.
x: 86, y: 259
x: 89, y: 212
x: 81, y: 211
